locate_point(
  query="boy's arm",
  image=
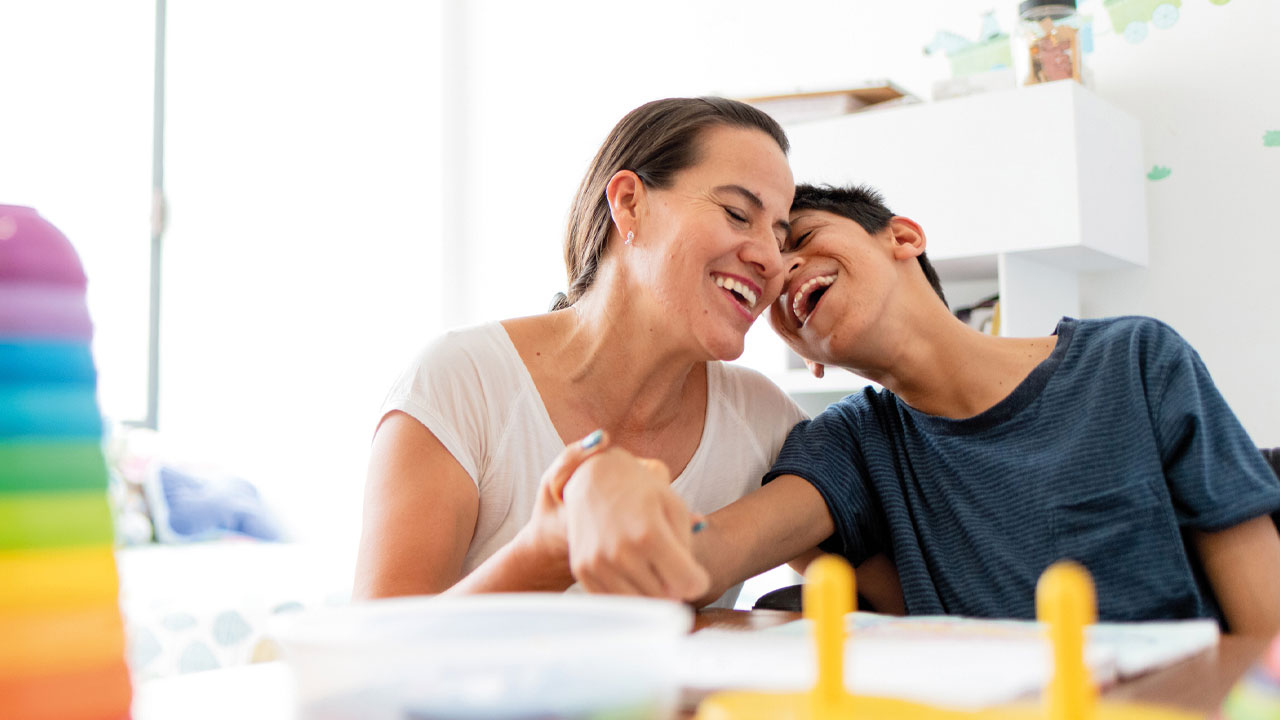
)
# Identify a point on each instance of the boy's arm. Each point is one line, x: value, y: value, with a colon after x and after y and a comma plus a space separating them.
x: 780, y: 522
x: 1243, y: 565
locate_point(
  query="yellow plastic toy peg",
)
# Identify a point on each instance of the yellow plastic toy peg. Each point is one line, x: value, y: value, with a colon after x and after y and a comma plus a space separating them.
x: 828, y: 597
x: 828, y: 592
x: 1064, y: 602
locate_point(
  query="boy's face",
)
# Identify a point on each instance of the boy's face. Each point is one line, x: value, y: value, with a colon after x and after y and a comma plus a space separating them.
x: 837, y: 281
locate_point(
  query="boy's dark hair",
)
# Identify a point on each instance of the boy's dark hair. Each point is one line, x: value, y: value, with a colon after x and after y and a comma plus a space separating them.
x: 863, y: 205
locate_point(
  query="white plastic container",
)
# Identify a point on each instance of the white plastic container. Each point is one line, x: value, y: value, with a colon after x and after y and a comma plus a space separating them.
x: 497, y: 657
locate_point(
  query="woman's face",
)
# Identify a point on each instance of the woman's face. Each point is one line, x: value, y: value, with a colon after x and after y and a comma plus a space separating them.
x: 708, y: 245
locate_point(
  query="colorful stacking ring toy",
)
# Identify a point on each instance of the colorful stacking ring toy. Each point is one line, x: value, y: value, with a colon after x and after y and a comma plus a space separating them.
x: 61, y: 634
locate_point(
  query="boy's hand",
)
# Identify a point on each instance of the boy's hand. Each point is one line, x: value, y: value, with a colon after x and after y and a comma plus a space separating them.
x: 628, y: 532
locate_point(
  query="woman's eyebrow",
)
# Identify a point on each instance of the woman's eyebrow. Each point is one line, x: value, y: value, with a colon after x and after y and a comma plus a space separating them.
x: 753, y: 200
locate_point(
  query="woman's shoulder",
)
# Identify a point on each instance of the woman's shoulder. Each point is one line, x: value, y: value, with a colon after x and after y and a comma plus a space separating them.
x: 460, y: 359
x: 476, y: 342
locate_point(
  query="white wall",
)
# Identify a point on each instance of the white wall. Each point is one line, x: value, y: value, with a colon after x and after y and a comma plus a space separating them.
x: 1205, y: 91
x: 545, y: 82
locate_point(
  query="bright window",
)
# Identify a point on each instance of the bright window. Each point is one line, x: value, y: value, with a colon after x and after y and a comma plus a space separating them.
x: 75, y: 143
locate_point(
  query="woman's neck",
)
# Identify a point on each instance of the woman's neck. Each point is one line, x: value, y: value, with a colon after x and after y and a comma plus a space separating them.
x: 614, y: 360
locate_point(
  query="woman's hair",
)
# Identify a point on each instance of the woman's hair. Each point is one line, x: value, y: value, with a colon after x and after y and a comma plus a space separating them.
x: 655, y: 141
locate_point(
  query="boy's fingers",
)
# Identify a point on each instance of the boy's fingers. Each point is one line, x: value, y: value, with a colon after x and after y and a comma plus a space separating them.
x: 645, y: 578
x: 672, y: 558
x: 607, y: 581
x: 698, y: 522
x: 569, y: 459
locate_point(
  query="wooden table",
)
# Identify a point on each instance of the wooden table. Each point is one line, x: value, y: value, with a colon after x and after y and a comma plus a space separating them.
x: 1197, y: 684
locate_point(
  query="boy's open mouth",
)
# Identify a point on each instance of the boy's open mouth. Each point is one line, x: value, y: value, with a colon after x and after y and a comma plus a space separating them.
x: 806, y: 298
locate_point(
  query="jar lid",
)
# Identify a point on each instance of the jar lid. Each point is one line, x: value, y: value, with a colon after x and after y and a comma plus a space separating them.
x: 1067, y: 7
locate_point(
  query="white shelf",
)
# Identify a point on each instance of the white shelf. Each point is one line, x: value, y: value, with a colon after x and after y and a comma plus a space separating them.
x: 1051, y: 171
x: 1026, y: 188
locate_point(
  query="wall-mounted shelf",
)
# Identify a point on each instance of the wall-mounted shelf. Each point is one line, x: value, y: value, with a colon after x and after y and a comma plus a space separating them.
x: 1023, y: 188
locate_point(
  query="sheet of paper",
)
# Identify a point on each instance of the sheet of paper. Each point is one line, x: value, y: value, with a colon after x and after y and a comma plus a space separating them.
x: 954, y: 662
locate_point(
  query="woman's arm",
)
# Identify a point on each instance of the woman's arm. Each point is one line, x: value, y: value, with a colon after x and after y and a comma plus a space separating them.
x: 420, y: 511
x: 419, y: 518
x: 1243, y: 565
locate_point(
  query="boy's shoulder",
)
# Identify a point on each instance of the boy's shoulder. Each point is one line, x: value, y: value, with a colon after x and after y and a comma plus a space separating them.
x: 858, y: 408
x: 1124, y: 327
x: 1131, y: 337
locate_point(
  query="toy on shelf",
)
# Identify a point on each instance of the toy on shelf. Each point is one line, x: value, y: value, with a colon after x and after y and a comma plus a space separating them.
x: 62, y: 653
x: 991, y: 51
x: 1053, y: 44
x: 1064, y: 602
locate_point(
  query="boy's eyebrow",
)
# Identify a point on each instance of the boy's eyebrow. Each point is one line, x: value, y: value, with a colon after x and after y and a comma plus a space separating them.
x: 753, y: 200
x: 802, y: 219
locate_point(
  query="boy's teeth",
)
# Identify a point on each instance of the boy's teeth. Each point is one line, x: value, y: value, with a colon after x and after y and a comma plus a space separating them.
x: 735, y: 286
x: 803, y: 292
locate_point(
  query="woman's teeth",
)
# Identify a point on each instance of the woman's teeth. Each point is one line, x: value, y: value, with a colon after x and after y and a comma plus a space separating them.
x: 734, y: 286
x: 799, y: 304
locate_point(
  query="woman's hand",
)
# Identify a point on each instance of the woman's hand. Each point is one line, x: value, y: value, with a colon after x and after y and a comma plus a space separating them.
x: 544, y: 538
x: 628, y: 532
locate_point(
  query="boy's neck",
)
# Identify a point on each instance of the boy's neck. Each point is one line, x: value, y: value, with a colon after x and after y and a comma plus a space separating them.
x: 943, y: 367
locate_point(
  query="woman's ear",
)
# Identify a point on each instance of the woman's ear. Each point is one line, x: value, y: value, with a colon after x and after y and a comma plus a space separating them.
x: 908, y: 238
x: 624, y: 193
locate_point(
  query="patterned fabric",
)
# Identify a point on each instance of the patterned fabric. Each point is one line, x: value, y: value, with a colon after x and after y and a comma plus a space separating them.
x: 1106, y: 453
x: 204, y: 606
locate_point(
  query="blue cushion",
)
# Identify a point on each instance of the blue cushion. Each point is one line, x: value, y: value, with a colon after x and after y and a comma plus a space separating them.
x: 188, y: 506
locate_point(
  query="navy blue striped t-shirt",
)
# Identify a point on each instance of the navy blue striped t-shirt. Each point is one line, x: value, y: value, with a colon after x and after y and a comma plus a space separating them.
x: 1107, y: 453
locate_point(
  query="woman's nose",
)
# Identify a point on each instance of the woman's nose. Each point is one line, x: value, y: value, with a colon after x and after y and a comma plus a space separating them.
x: 765, y: 256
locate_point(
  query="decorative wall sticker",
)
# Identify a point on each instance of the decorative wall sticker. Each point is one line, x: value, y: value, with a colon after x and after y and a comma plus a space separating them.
x: 1159, y: 172
x: 1130, y: 17
x: 991, y: 51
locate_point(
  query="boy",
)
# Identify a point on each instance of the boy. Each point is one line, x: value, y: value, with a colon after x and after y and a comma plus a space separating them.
x: 985, y: 459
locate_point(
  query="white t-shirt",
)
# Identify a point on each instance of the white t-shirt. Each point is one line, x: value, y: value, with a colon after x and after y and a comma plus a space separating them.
x: 473, y: 392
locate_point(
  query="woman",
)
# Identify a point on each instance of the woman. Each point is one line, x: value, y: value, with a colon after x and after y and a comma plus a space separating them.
x: 672, y: 252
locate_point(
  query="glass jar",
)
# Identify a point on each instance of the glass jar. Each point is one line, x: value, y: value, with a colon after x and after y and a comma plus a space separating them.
x: 1050, y: 31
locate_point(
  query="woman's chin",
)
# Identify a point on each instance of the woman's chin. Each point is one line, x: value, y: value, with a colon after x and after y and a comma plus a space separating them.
x: 727, y: 348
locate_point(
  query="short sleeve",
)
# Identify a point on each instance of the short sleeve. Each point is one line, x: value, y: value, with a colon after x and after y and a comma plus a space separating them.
x: 763, y: 409
x: 826, y: 452
x: 441, y: 389
x: 1217, y: 477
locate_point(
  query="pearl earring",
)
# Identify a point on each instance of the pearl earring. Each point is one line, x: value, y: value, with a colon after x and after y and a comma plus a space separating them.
x: 631, y: 235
